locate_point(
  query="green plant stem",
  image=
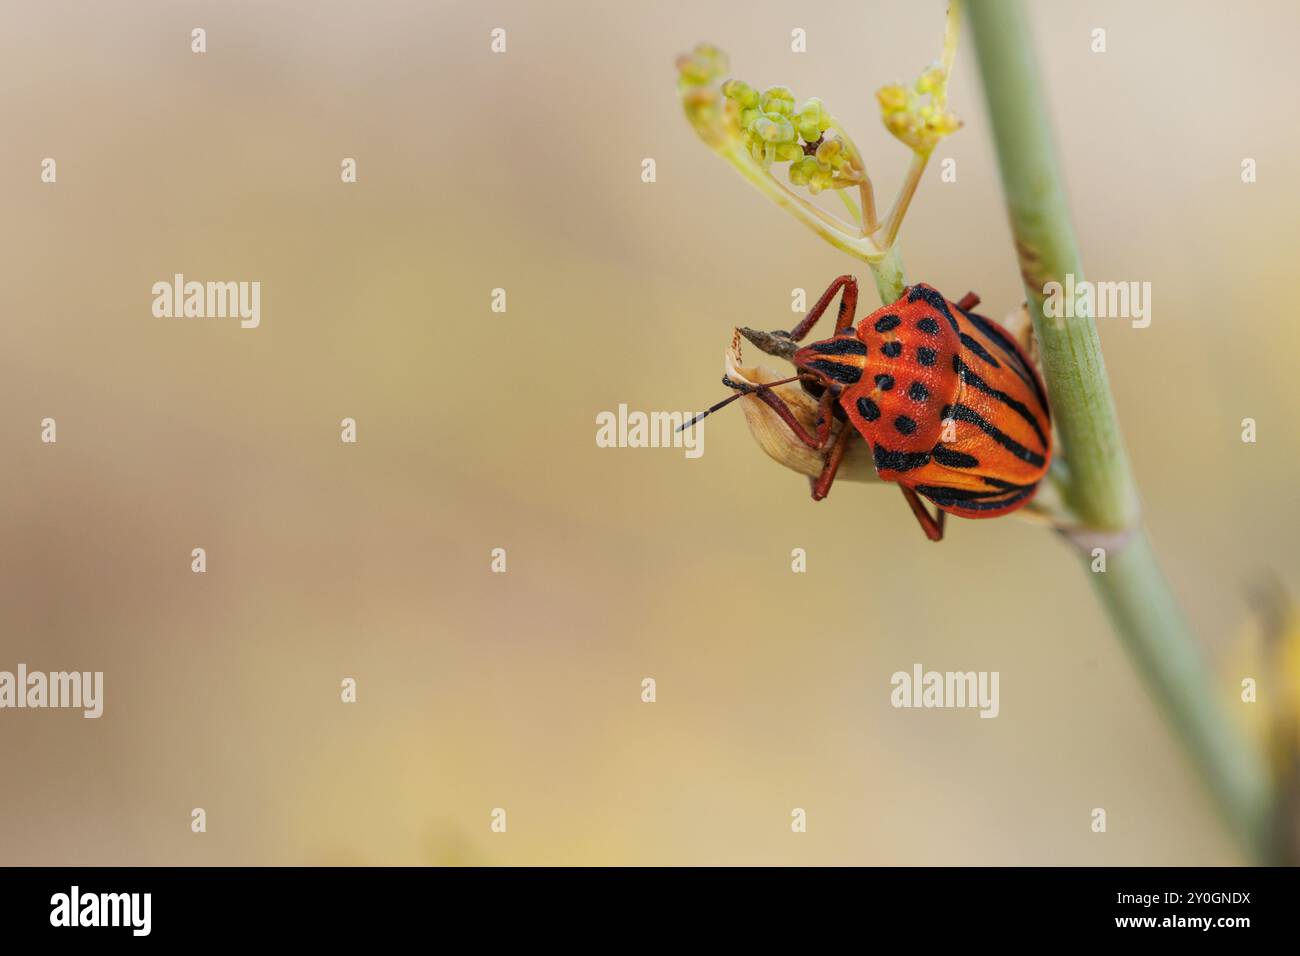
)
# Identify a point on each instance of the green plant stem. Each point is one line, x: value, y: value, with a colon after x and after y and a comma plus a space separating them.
x: 888, y: 273
x: 1099, y: 485
x: 1156, y: 637
x: 1101, y: 490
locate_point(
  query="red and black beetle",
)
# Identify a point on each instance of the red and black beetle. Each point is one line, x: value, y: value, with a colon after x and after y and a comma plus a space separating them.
x: 953, y: 408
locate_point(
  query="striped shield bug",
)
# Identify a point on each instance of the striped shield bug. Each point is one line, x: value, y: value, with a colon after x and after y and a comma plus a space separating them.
x: 952, y: 407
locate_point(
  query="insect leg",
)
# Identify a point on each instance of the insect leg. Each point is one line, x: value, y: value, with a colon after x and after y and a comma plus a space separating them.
x: 848, y: 306
x: 968, y: 301
x: 822, y: 486
x: 825, y: 415
x: 933, y: 527
x: 774, y: 401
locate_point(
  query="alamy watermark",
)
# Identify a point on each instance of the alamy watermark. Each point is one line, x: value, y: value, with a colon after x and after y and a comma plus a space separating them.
x: 75, y: 908
x: 59, y: 689
x: 208, y: 300
x: 946, y: 689
x: 633, y: 429
x: 1099, y: 300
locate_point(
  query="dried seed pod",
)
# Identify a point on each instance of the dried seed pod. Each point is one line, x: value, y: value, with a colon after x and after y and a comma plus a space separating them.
x: 773, y: 435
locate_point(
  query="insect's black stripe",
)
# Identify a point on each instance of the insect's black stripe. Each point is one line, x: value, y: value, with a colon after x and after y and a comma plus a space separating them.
x: 887, y: 460
x: 967, y: 375
x: 963, y: 413
x: 954, y: 459
x: 1004, y: 344
x: 960, y: 494
x: 978, y: 349
x: 995, y: 335
x: 837, y: 371
x: 944, y: 497
x: 842, y: 346
x: 1005, y: 485
x: 932, y: 298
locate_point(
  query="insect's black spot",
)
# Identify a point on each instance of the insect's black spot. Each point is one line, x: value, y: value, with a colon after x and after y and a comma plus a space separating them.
x: 887, y: 322
x: 905, y: 425
x: 926, y: 355
x: 918, y: 392
x: 884, y: 382
x: 868, y: 409
x: 892, y: 349
x: 932, y: 298
x: 928, y: 326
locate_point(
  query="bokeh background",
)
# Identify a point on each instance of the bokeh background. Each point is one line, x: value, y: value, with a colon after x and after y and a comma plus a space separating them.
x: 476, y: 431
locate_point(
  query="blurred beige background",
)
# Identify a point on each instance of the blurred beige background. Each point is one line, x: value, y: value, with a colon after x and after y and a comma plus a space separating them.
x: 476, y: 431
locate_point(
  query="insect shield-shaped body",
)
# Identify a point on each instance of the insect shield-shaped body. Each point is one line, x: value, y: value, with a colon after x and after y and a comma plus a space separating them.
x: 953, y: 408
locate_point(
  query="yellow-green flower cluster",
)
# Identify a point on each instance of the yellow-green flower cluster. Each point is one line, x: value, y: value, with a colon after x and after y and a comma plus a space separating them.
x: 696, y: 73
x: 770, y: 125
x: 776, y: 130
x: 919, y: 116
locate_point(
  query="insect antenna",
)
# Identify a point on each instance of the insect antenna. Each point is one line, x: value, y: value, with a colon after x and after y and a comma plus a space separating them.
x: 741, y: 391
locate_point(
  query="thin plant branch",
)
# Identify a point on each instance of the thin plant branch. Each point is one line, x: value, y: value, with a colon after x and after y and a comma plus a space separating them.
x: 1098, y: 484
x: 905, y: 194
